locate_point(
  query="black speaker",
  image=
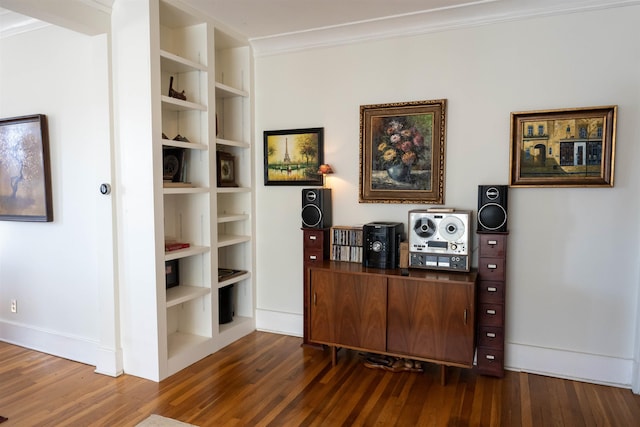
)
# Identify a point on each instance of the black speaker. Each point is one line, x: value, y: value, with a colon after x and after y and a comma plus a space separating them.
x: 492, y: 208
x: 316, y: 207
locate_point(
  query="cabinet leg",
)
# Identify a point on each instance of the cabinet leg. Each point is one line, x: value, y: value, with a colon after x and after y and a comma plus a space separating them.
x: 443, y: 375
x: 334, y: 355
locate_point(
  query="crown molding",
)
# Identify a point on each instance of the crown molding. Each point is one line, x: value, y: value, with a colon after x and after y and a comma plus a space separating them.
x: 466, y: 16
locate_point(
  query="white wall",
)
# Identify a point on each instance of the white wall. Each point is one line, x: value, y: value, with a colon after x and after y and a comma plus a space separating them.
x: 573, y: 254
x: 53, y: 269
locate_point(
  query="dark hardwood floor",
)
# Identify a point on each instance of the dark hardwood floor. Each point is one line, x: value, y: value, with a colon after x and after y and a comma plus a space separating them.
x: 267, y: 379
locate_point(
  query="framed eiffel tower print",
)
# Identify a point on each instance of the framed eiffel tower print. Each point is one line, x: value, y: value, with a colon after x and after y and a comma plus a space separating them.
x: 293, y: 156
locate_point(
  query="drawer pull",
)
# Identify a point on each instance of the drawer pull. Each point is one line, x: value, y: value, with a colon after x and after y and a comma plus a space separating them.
x: 490, y: 357
x: 490, y: 311
x: 465, y: 316
x: 492, y: 289
x: 492, y: 266
x: 492, y: 242
x: 491, y: 335
x: 313, y: 237
x: 313, y: 257
x: 315, y: 298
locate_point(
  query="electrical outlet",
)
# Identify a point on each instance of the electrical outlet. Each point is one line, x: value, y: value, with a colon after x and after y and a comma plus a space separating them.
x: 14, y: 306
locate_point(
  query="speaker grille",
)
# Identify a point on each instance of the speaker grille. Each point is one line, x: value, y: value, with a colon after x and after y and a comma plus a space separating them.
x: 492, y: 216
x: 311, y: 216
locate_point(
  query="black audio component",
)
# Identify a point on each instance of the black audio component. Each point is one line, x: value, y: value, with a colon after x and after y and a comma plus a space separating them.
x: 492, y: 208
x: 316, y: 207
x: 382, y: 244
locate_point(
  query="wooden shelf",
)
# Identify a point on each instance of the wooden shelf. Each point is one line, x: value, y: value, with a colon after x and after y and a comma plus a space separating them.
x: 179, y: 294
x: 222, y: 218
x: 177, y: 64
x: 228, y: 240
x: 187, y: 252
x: 225, y: 91
x: 175, y: 104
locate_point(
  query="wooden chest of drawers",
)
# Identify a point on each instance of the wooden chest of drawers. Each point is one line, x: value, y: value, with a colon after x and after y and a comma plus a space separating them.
x: 492, y: 257
x: 315, y: 249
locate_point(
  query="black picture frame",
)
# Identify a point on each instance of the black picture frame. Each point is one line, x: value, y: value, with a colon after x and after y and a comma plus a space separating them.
x: 293, y: 156
x: 25, y: 171
x: 225, y: 169
x: 173, y: 164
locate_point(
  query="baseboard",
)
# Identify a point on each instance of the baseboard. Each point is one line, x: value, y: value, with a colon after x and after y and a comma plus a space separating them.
x: 109, y: 362
x: 73, y: 348
x: 597, y: 369
x: 592, y: 368
x: 279, y: 322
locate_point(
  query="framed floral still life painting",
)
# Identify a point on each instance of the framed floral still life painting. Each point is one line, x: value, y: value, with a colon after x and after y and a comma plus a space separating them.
x: 563, y: 148
x: 25, y: 175
x: 402, y: 152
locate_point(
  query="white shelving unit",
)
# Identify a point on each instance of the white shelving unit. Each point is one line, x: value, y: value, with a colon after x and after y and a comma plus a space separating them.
x: 167, y: 329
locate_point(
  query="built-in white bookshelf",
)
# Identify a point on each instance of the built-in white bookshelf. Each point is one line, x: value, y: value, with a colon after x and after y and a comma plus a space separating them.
x: 212, y: 69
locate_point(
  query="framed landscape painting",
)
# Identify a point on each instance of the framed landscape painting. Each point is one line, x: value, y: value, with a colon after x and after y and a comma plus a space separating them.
x: 25, y: 175
x: 402, y: 152
x: 293, y: 156
x: 572, y: 147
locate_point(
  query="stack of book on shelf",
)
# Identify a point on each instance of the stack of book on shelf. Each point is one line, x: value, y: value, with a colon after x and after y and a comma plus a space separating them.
x: 172, y: 245
x: 346, y: 243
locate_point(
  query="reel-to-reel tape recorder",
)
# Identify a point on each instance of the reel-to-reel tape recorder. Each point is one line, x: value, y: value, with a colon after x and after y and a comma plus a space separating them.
x: 439, y: 239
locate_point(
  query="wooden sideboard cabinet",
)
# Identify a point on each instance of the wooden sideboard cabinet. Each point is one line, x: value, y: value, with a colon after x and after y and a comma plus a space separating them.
x: 315, y: 249
x: 428, y: 315
x: 492, y: 257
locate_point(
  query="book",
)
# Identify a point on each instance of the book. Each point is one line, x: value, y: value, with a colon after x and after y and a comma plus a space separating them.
x: 174, y: 246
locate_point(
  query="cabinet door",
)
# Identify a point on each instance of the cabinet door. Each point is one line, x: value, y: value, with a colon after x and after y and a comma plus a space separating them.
x: 348, y: 309
x: 431, y: 320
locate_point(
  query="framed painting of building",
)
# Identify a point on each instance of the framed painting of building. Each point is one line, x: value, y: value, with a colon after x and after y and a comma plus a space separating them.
x: 572, y: 147
x: 293, y: 156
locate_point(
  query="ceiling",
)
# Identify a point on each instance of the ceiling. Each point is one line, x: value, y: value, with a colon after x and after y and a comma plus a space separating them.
x: 279, y: 25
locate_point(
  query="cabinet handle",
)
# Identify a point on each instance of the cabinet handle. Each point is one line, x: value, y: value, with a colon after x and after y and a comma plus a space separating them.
x: 492, y: 312
x: 491, y: 335
x: 492, y: 289
x: 492, y: 266
x: 312, y: 257
x: 315, y: 298
x: 313, y: 237
x: 465, y: 316
x: 492, y: 242
x: 490, y: 357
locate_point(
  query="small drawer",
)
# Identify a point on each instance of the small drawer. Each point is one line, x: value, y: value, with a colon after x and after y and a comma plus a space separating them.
x: 491, y: 268
x: 313, y: 256
x: 314, y: 239
x: 490, y: 361
x: 491, y: 336
x: 491, y: 315
x: 490, y: 292
x: 492, y: 245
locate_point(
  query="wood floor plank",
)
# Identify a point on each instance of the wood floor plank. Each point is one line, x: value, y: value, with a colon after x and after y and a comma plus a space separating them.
x: 271, y: 380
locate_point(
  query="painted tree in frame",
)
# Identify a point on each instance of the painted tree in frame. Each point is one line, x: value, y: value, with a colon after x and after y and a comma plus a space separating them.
x: 25, y: 190
x: 292, y: 157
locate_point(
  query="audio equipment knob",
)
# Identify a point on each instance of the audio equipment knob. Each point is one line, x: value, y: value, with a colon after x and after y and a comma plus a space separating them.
x: 454, y: 246
x: 376, y: 246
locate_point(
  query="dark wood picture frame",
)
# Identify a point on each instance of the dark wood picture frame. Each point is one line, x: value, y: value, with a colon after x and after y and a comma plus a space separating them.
x: 225, y: 169
x: 293, y: 156
x: 25, y: 171
x: 402, y: 152
x: 572, y: 147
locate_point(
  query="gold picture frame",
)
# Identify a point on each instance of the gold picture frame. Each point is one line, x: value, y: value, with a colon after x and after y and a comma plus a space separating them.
x: 572, y: 147
x: 402, y: 152
x: 226, y: 169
